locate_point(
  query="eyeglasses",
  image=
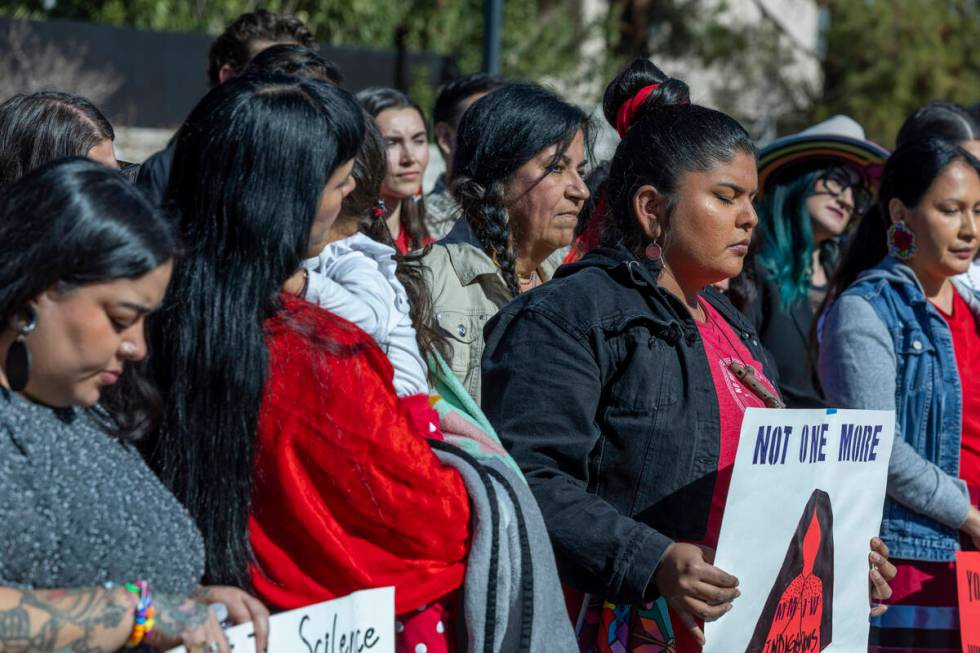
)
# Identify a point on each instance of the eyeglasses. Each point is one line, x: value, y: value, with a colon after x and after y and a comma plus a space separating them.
x: 836, y: 181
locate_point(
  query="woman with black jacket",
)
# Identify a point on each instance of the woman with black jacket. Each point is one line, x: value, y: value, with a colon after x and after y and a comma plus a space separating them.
x: 619, y: 386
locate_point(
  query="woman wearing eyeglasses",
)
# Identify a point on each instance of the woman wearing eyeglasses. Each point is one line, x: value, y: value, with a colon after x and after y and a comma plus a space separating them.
x: 814, y: 184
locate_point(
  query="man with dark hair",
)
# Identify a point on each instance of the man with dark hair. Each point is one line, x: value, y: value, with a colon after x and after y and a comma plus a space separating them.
x: 249, y: 35
x: 441, y: 210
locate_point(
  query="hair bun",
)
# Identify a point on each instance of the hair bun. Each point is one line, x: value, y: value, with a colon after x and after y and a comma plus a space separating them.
x: 634, y: 78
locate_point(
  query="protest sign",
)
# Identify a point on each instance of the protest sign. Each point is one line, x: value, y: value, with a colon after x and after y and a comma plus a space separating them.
x: 362, y: 622
x: 806, y: 497
x: 968, y: 595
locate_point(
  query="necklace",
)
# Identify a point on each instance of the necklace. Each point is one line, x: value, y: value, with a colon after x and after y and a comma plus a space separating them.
x: 527, y: 283
x: 744, y: 372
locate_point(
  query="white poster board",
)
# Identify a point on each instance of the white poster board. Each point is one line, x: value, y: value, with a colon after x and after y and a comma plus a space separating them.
x: 362, y: 622
x: 806, y: 497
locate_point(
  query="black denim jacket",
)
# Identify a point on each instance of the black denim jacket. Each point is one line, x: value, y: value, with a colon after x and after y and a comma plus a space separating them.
x: 598, y: 384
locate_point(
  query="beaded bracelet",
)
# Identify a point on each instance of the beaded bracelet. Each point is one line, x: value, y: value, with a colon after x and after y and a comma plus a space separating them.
x: 145, y: 612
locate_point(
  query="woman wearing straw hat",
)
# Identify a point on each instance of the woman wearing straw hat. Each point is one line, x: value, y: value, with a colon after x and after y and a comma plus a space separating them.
x: 813, y: 184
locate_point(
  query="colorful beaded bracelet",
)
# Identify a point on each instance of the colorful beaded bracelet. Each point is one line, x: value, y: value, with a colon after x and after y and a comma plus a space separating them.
x: 145, y: 613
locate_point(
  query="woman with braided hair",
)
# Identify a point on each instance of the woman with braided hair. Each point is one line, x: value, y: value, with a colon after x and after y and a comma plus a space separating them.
x: 519, y: 168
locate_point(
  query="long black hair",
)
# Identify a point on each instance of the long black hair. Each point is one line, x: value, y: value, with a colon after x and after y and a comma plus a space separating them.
x: 42, y: 127
x: 412, y: 216
x: 944, y: 120
x: 668, y: 137
x: 250, y: 165
x: 909, y: 173
x: 72, y: 223
x: 497, y: 135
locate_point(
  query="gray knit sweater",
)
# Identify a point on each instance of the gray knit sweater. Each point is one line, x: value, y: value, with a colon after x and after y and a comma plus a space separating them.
x: 79, y: 508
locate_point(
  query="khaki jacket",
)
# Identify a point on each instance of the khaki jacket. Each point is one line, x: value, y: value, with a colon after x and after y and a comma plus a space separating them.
x: 467, y: 289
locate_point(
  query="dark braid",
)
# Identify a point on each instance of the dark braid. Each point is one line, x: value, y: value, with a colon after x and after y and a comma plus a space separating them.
x: 485, y: 213
x: 497, y: 135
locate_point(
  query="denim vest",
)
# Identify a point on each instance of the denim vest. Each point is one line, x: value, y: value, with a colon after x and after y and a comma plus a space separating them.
x: 928, y: 398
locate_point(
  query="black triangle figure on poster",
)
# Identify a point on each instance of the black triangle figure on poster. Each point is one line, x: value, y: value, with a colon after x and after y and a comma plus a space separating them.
x: 798, y: 615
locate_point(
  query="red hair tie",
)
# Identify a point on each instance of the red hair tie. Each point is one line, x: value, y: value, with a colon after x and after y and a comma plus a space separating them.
x: 626, y: 112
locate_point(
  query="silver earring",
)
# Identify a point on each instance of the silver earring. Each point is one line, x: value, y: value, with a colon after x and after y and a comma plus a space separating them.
x: 17, y: 366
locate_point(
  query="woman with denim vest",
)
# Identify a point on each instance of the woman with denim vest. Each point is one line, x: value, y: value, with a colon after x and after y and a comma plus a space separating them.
x: 614, y: 385
x: 901, y: 333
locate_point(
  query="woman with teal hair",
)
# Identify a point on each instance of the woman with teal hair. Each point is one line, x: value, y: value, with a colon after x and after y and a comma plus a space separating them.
x: 814, y: 184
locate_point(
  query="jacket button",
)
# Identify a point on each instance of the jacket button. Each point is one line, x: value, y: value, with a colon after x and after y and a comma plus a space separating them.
x: 461, y: 330
x: 916, y: 345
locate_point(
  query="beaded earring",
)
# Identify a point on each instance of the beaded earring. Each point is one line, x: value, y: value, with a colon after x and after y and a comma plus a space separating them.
x: 901, y: 241
x: 17, y: 367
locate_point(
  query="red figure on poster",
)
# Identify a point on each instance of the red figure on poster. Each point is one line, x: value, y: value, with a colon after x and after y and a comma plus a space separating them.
x: 800, y: 608
x: 798, y: 614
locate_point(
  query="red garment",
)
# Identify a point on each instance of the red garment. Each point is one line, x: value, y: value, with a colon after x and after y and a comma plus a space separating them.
x: 588, y: 240
x: 966, y: 345
x: 347, y: 493
x: 423, y: 415
x: 429, y: 629
x: 404, y: 244
x: 722, y: 346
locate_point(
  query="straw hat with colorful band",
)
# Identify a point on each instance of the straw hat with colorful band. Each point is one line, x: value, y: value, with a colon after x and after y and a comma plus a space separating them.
x: 838, y: 140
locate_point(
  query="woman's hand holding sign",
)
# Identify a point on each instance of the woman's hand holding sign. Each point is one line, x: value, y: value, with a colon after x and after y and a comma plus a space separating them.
x: 881, y: 572
x: 693, y: 587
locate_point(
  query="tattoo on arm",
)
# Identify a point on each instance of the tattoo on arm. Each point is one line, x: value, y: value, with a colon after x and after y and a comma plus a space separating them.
x: 177, y: 615
x: 87, y: 620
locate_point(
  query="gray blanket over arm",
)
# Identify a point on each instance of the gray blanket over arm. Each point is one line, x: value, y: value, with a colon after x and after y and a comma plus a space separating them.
x: 512, y: 598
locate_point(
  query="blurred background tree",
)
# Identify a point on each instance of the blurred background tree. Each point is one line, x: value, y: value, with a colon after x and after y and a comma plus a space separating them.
x: 884, y: 58
x: 876, y: 60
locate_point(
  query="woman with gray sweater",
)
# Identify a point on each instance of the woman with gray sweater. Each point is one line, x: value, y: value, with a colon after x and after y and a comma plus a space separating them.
x: 83, y: 259
x: 902, y: 334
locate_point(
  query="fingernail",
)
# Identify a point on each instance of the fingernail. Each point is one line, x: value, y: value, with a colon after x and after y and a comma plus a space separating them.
x: 738, y: 593
x: 729, y: 608
x: 876, y: 574
x: 876, y: 558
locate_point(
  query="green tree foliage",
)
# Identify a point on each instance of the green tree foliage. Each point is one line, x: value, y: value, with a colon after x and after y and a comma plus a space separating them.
x: 539, y: 36
x: 885, y: 58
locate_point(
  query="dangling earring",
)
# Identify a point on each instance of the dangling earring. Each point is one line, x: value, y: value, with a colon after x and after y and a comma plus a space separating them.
x: 17, y: 367
x: 653, y: 252
x: 901, y: 241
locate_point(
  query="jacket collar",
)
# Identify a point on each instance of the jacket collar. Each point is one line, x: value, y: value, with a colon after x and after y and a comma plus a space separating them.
x: 470, y: 261
x: 901, y: 276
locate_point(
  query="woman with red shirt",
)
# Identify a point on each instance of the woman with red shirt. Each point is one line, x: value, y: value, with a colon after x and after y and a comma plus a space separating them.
x: 281, y: 431
x: 654, y: 369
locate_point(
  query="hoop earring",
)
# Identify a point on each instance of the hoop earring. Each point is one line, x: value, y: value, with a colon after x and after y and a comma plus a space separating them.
x: 901, y: 241
x: 653, y: 251
x: 17, y: 366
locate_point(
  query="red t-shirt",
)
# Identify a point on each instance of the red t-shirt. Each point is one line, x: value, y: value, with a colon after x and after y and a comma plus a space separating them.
x: 722, y: 346
x: 966, y: 344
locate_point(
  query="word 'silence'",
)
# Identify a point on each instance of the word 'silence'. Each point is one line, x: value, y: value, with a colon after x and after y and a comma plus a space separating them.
x: 352, y: 642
